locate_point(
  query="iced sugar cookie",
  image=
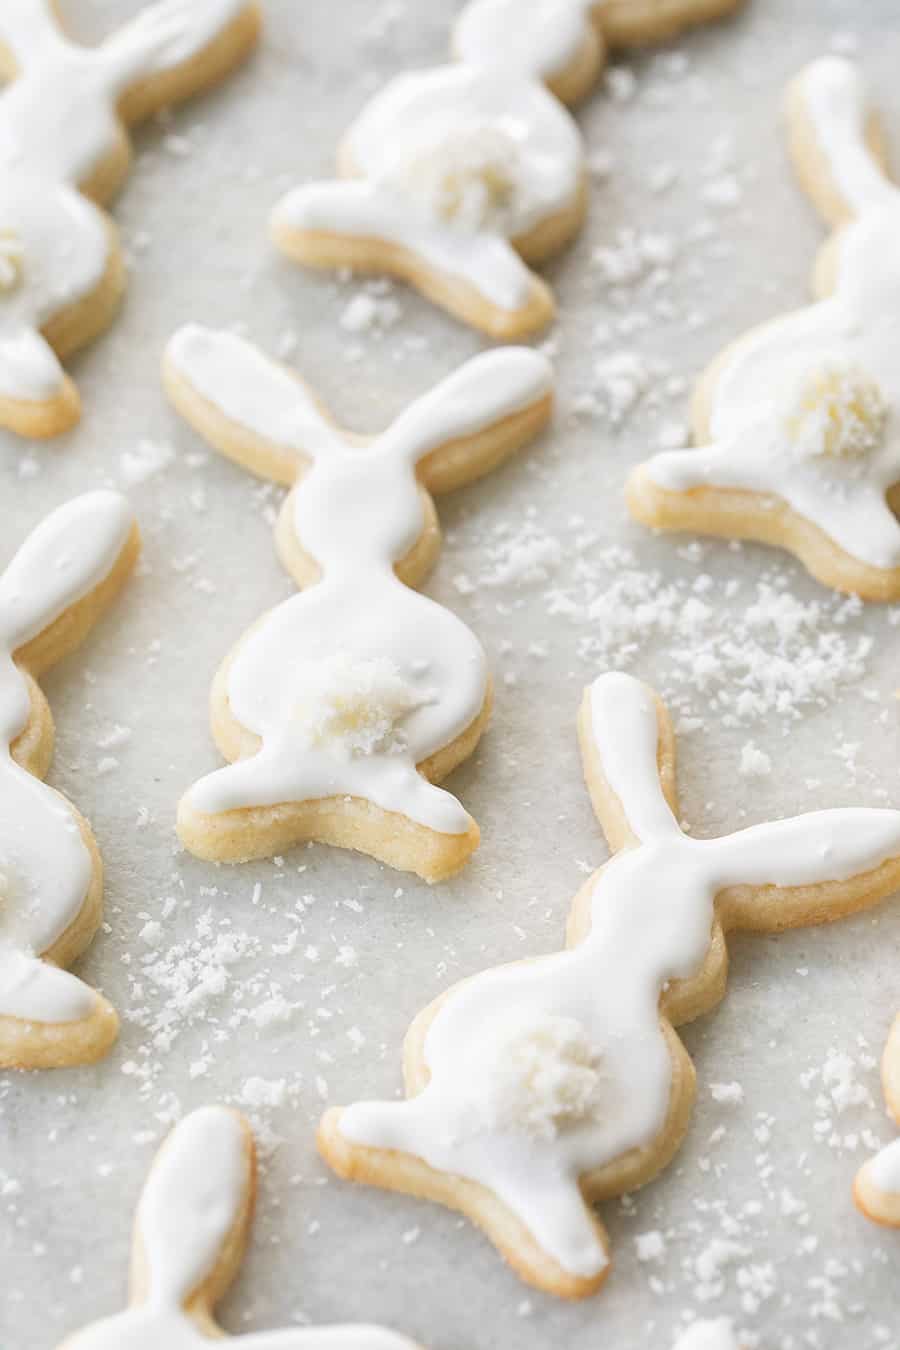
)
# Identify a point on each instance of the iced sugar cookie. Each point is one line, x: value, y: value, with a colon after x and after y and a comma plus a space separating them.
x: 51, y: 879
x: 538, y: 1088
x: 345, y: 705
x: 460, y: 179
x: 64, y: 148
x: 877, y: 1186
x: 565, y: 42
x: 798, y: 423
x: 457, y: 180
x: 190, y: 1233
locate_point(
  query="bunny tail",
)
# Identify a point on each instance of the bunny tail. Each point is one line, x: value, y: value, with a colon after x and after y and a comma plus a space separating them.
x: 351, y: 223
x: 49, y: 1018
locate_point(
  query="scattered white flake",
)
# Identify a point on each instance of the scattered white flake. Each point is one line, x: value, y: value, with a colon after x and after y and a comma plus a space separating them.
x: 650, y: 1246
x: 727, y: 1094
x: 619, y: 381
x: 149, y: 458
x: 755, y: 763
x: 259, y: 1092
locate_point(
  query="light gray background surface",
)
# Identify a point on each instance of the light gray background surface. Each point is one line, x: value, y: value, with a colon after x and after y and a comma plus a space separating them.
x: 756, y: 1211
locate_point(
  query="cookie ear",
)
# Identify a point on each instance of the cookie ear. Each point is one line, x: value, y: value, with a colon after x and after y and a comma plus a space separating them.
x: 29, y: 30
x: 168, y: 37
x: 847, y: 854
x: 492, y: 391
x: 249, y: 407
x: 195, y: 1211
x: 628, y: 753
x: 836, y: 141
x: 72, y: 551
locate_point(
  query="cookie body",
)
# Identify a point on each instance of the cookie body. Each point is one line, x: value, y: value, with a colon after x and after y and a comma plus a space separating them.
x: 342, y: 708
x: 797, y: 421
x: 51, y: 876
x: 538, y: 1088
x: 62, y: 121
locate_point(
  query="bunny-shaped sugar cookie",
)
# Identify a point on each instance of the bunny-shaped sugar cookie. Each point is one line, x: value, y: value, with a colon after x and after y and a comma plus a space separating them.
x: 51, y: 879
x: 460, y: 178
x: 342, y: 707
x: 799, y: 421
x: 565, y: 43
x: 536, y: 1088
x: 877, y: 1186
x: 190, y: 1233
x: 63, y: 148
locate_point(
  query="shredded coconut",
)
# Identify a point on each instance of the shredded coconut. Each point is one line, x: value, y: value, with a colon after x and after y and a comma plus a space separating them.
x: 539, y: 1080
x: 353, y: 706
x: 839, y: 411
x: 468, y: 178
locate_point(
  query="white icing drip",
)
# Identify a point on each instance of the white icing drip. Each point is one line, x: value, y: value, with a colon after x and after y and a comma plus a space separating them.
x: 58, y: 122
x: 357, y: 511
x: 769, y: 370
x: 540, y: 43
x: 837, y: 104
x: 652, y: 913
x: 45, y: 864
x: 884, y: 1169
x: 193, y: 1198
x: 424, y: 118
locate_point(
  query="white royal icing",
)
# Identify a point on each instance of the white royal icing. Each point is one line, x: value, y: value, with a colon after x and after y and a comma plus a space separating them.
x: 45, y: 867
x: 193, y: 1198
x: 844, y: 347
x: 884, y: 1169
x: 652, y: 913
x: 58, y: 122
x: 539, y: 39
x: 359, y: 678
x: 430, y: 144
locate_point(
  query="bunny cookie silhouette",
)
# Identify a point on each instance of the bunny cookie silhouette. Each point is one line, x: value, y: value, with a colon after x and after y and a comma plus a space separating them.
x: 536, y: 1088
x: 799, y: 421
x: 460, y: 178
x: 565, y: 42
x: 51, y: 879
x: 344, y: 705
x: 877, y: 1186
x: 190, y: 1233
x: 63, y: 147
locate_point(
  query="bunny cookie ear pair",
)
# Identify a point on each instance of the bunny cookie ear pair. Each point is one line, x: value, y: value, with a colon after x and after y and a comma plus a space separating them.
x: 62, y: 135
x: 190, y: 1233
x: 51, y: 878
